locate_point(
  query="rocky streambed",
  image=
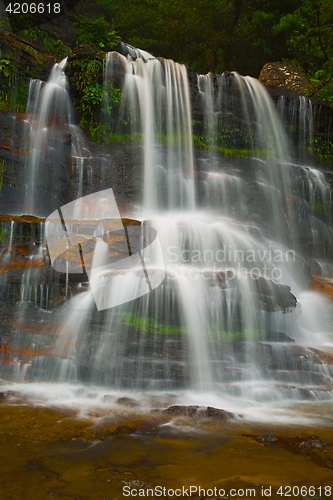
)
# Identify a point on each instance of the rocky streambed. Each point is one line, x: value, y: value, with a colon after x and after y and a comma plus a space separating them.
x: 55, y: 452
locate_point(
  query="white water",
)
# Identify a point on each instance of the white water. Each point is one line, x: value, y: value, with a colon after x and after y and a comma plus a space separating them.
x: 49, y: 119
x: 156, y: 107
x: 224, y: 322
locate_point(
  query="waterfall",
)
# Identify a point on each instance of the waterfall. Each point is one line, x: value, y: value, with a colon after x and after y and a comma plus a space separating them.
x: 298, y: 117
x: 49, y: 130
x: 240, y: 237
x: 156, y: 107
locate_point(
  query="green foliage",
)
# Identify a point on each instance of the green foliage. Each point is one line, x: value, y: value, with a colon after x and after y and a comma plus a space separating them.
x: 96, y: 32
x: 6, y: 67
x: 149, y: 325
x: 5, y: 75
x: 91, y: 99
x: 322, y: 83
x: 13, y: 87
x: 47, y: 43
x: 87, y: 72
x: 3, y: 233
x: 219, y: 35
x: 323, y: 150
x: 115, y: 95
x: 87, y: 82
x: 93, y: 94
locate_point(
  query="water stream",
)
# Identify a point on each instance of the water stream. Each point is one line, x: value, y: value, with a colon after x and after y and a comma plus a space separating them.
x: 234, y: 322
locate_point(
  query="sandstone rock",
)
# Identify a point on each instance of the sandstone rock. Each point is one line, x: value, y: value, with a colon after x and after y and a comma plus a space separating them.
x: 86, y: 51
x: 25, y: 55
x: 127, y: 402
x: 284, y: 75
x: 198, y: 412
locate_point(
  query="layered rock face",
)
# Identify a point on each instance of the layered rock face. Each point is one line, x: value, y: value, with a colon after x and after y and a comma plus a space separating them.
x: 241, y: 176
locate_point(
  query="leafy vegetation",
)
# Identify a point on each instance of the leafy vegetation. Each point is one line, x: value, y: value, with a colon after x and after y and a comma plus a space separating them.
x: 3, y: 233
x: 13, y: 87
x: 46, y: 42
x: 96, y: 32
x: 224, y: 35
x: 207, y: 35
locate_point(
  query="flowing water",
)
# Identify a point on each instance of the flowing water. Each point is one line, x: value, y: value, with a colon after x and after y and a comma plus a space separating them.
x: 49, y: 130
x: 233, y: 323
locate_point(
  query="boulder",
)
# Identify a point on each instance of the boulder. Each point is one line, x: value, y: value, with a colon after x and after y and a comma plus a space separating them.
x: 199, y: 412
x: 284, y: 75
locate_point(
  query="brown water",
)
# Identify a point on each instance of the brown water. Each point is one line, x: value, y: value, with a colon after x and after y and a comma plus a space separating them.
x: 48, y: 453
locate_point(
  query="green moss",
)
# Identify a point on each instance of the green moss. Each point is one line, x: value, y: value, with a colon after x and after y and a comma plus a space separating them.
x: 111, y: 138
x: 199, y: 143
x: 149, y: 325
x: 13, y: 86
x: 47, y: 43
x: 317, y: 207
x: 92, y: 101
x: 323, y: 150
x: 86, y: 72
x: 3, y: 233
x: 87, y: 84
x: 237, y: 335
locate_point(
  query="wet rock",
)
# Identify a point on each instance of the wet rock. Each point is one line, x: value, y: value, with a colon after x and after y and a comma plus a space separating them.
x: 25, y: 55
x: 321, y: 452
x: 127, y: 402
x: 218, y: 414
x: 323, y: 285
x: 186, y: 411
x: 8, y: 394
x: 198, y: 412
x: 267, y: 439
x: 86, y: 51
x: 284, y: 75
x: 271, y: 296
x: 122, y: 430
x: 276, y: 337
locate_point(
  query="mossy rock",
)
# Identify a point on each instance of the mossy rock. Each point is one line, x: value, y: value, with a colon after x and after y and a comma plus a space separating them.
x: 25, y: 57
x: 86, y: 51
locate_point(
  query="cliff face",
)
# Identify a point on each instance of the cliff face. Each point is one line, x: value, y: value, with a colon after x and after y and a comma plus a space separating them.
x: 39, y: 176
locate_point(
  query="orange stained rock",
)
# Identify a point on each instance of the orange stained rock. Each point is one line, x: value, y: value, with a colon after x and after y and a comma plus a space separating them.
x: 15, y: 151
x: 32, y: 352
x: 292, y: 198
x: 5, y: 348
x: 19, y: 263
x: 323, y: 285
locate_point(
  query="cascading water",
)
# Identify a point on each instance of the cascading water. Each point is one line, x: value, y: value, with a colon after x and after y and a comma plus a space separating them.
x: 233, y: 316
x: 156, y: 106
x: 49, y: 128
